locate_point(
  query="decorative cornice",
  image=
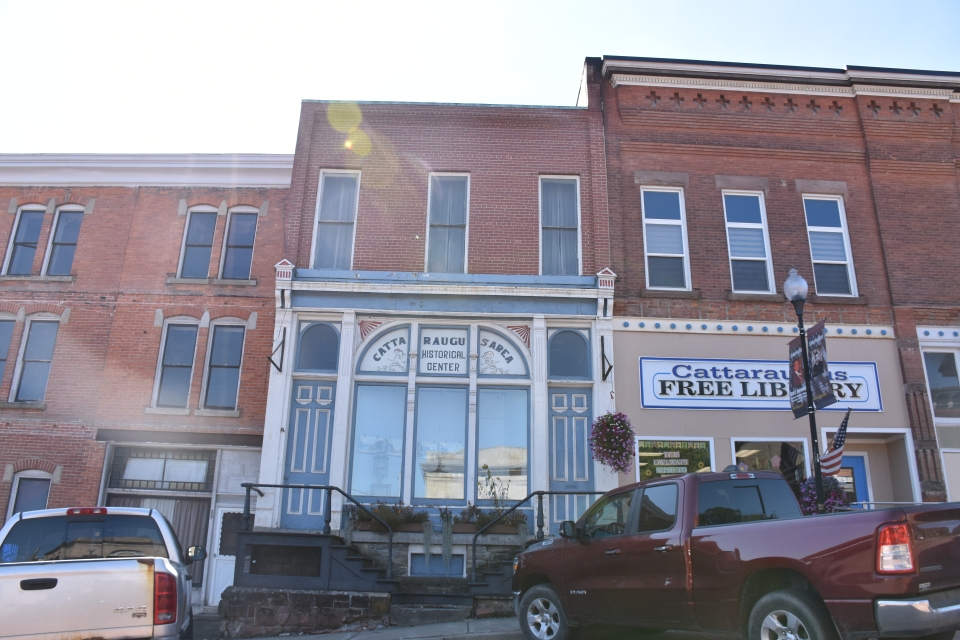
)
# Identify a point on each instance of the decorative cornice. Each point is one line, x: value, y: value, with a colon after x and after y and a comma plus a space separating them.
x: 744, y: 327
x: 939, y: 334
x: 147, y: 170
x: 449, y: 289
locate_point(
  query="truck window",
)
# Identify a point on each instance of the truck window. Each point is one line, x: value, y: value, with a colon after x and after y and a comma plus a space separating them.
x: 658, y: 508
x: 728, y: 502
x: 64, y: 538
x: 608, y: 517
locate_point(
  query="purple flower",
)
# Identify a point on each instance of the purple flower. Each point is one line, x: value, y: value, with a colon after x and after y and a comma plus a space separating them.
x: 612, y: 441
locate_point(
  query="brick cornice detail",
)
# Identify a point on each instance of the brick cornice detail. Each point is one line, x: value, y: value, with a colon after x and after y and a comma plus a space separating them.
x: 183, y: 310
x: 230, y: 312
x: 34, y: 464
x: 44, y: 307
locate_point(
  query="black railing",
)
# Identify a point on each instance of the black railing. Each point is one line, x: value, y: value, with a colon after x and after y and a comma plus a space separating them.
x: 327, y: 514
x: 540, y: 522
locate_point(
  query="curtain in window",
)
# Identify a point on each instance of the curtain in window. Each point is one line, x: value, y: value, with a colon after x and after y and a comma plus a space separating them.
x: 448, y: 224
x: 558, y: 200
x: 338, y: 205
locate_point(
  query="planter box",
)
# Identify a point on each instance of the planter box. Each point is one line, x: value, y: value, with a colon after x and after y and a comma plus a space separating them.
x: 413, y: 527
x: 465, y: 528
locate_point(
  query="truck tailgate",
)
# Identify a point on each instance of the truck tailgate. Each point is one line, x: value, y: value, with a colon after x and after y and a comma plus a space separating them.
x: 936, y: 539
x: 77, y: 599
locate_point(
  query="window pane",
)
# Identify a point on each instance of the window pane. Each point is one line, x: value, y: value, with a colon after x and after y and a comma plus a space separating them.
x: 664, y: 238
x: 334, y: 244
x: 378, y: 440
x: 174, y: 387
x: 746, y: 243
x: 448, y: 200
x: 666, y: 272
x: 569, y: 260
x: 201, y: 228
x: 743, y: 209
x: 658, y: 508
x: 243, y: 229
x: 64, y: 243
x: 25, y: 242
x: 6, y: 334
x: 68, y: 227
x: 551, y: 252
x: 31, y: 494
x: 196, y: 262
x: 559, y: 202
x: 446, y: 249
x: 35, y: 540
x: 40, y: 343
x: 828, y: 246
x: 143, y: 469
x: 339, y: 199
x: 236, y: 264
x: 944, y: 384
x: 61, y: 259
x: 568, y: 355
x: 822, y: 213
x: 440, y: 445
x: 181, y: 341
x: 222, y: 388
x: 832, y: 278
x: 319, y: 349
x: 778, y: 500
x: 33, y: 381
x: 749, y: 275
x: 609, y: 517
x: 185, y: 470
x: 227, y: 346
x: 661, y: 205
x: 502, y: 428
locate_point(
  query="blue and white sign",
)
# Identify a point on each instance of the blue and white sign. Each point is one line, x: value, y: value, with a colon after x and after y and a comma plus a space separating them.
x: 706, y: 383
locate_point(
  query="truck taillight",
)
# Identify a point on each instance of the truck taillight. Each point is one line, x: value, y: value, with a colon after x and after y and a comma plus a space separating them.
x: 164, y: 598
x: 894, y: 549
x: 87, y: 511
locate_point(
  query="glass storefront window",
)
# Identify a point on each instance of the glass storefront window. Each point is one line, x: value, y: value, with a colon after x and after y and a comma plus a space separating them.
x: 378, y: 440
x: 786, y: 457
x: 440, y: 443
x: 502, y: 432
x: 944, y: 384
x: 658, y: 458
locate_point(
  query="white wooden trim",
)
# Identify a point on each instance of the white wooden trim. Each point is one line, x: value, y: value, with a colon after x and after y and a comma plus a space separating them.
x: 13, y: 232
x: 844, y: 231
x: 203, y: 208
x: 688, y: 284
x: 772, y: 286
x: 316, y: 213
x: 27, y: 473
x: 893, y: 433
x: 540, y: 179
x: 466, y: 225
x: 226, y: 233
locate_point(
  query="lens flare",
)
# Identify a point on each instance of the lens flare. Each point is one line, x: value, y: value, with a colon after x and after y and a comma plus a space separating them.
x: 344, y: 116
x: 359, y: 142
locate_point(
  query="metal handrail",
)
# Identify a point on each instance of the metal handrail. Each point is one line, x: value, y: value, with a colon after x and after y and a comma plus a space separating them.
x: 539, y: 536
x: 327, y: 514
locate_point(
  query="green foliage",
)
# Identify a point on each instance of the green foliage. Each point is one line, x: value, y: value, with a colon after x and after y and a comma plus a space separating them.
x: 393, y: 514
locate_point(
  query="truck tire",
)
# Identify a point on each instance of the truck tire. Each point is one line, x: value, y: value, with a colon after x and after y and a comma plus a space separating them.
x: 790, y: 615
x: 542, y: 616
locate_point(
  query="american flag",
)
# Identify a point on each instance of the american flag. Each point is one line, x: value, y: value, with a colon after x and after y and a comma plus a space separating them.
x: 830, y: 461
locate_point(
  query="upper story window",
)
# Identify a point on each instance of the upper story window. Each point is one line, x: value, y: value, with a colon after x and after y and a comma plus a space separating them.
x: 238, y: 245
x: 560, y: 226
x: 23, y: 242
x: 63, y: 241
x: 665, y: 238
x: 319, y: 348
x: 829, y: 246
x: 6, y: 335
x: 35, y: 360
x: 335, y: 221
x: 447, y: 241
x: 31, y: 489
x: 175, y: 369
x: 223, y: 370
x: 750, y: 266
x: 198, y: 242
x: 568, y: 355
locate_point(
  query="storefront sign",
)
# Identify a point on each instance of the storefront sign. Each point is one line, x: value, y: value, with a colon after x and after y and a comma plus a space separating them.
x: 388, y: 354
x: 444, y: 351
x: 820, y: 383
x: 497, y: 357
x: 656, y: 458
x: 706, y: 383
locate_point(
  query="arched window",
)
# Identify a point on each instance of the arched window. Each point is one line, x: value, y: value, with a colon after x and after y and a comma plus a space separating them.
x: 319, y: 348
x: 568, y: 355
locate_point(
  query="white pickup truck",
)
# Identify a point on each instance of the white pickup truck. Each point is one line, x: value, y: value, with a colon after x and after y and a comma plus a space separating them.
x: 94, y: 572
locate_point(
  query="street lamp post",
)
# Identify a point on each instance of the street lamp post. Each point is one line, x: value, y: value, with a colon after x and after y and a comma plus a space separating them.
x: 795, y: 289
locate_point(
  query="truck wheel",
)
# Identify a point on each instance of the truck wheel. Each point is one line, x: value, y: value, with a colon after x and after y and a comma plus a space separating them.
x: 790, y: 615
x: 542, y: 616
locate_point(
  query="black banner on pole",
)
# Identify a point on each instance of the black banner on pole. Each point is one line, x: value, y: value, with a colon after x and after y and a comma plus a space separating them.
x: 819, y: 375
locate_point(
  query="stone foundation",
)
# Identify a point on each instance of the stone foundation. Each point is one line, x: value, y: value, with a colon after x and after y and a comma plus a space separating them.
x: 247, y: 612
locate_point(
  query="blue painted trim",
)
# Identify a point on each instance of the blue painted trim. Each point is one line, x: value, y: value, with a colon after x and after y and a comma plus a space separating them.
x: 414, y: 500
x: 353, y: 442
x: 376, y: 335
x: 417, y: 303
x: 301, y: 329
x: 476, y: 447
x: 526, y: 365
x: 588, y: 339
x: 412, y: 277
x: 465, y: 374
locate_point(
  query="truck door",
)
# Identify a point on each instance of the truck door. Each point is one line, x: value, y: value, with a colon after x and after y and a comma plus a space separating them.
x: 654, y: 565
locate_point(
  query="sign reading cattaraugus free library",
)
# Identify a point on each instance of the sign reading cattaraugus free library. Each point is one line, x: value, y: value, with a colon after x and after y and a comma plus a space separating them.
x: 707, y: 383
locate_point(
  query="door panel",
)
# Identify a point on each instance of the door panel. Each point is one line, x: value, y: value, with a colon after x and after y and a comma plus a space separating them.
x: 571, y: 466
x: 308, y: 453
x: 223, y: 554
x: 853, y: 478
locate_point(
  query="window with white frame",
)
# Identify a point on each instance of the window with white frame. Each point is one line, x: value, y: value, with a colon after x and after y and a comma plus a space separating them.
x: 63, y: 241
x: 447, y: 233
x: 30, y: 492
x: 175, y: 369
x: 829, y: 246
x: 238, y: 244
x: 751, y: 269
x: 943, y: 382
x: 6, y: 336
x: 223, y: 366
x: 335, y: 220
x: 36, y: 356
x: 559, y: 226
x: 23, y: 242
x: 665, y: 238
x: 198, y: 242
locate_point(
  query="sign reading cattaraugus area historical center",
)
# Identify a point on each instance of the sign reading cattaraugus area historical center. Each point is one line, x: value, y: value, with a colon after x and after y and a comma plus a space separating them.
x: 707, y: 383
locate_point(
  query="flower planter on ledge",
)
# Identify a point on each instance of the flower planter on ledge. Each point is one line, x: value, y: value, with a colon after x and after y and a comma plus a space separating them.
x: 413, y: 527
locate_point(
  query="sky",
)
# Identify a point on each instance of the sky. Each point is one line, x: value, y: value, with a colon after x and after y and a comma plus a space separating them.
x: 226, y: 77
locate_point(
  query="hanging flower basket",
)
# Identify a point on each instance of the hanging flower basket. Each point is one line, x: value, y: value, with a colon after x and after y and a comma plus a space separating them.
x: 612, y: 441
x: 833, y: 495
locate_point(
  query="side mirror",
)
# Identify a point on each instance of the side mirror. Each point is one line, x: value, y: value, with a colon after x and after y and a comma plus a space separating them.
x: 196, y: 554
x: 568, y: 529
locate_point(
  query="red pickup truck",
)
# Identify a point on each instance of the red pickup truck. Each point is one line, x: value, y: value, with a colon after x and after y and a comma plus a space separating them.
x: 731, y: 552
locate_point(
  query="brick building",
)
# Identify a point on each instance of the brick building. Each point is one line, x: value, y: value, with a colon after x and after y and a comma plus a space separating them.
x: 136, y: 309
x: 738, y: 173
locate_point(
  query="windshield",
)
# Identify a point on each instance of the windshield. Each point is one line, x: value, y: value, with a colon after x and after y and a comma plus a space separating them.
x: 83, y: 537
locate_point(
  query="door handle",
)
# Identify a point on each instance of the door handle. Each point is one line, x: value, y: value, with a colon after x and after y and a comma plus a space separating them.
x: 612, y: 552
x: 664, y: 548
x: 37, y: 584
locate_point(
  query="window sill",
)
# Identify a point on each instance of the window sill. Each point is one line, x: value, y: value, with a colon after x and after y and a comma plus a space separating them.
x: 70, y: 278
x: 176, y: 280
x: 234, y: 283
x: 222, y: 282
x: 166, y: 411
x: 29, y: 406
x: 755, y: 297
x: 217, y: 413
x: 860, y: 300
x: 668, y: 293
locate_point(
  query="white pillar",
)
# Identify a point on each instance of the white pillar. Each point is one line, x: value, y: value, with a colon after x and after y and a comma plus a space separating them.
x: 540, y: 435
x: 603, y: 394
x: 340, y: 442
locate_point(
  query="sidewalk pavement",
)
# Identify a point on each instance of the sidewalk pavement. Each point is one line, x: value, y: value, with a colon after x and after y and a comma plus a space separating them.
x: 485, y: 629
